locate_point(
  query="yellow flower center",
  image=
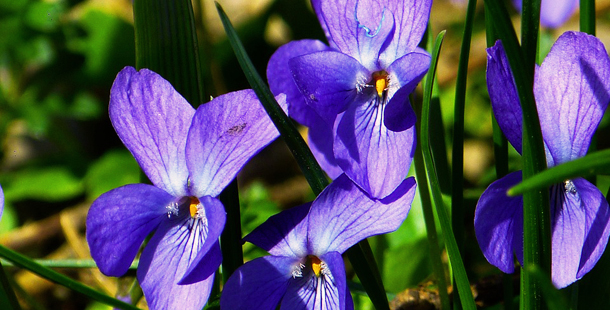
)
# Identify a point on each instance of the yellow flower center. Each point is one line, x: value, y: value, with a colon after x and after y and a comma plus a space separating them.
x: 194, y: 206
x: 381, y: 82
x: 316, y: 264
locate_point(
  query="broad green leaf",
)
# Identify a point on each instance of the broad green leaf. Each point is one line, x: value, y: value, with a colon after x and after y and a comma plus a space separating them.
x: 115, y: 168
x: 48, y: 183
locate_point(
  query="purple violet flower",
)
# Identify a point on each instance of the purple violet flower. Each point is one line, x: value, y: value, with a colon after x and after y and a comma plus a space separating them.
x: 305, y: 269
x: 553, y: 13
x: 189, y: 156
x: 571, y: 88
x: 353, y: 94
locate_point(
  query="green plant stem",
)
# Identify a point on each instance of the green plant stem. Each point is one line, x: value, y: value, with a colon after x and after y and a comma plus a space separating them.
x: 26, y: 263
x: 452, y: 250
x: 7, y: 294
x: 428, y: 212
x: 587, y: 16
x: 67, y: 263
x: 231, y: 239
x: 166, y: 42
x: 457, y: 176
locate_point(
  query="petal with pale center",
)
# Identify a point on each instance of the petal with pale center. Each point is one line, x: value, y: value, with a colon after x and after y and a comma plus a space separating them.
x: 343, y: 215
x: 165, y: 260
x: 152, y: 119
x: 119, y: 221
x: 225, y: 134
x: 326, y: 291
x: 375, y: 158
x: 572, y: 90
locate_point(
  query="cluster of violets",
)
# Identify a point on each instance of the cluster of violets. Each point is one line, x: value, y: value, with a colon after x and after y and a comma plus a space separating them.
x: 353, y: 95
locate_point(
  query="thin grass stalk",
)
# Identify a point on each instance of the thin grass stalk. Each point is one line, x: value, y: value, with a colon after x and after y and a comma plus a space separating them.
x: 7, y: 294
x: 587, y: 16
x: 452, y: 250
x: 457, y: 176
x: 428, y: 212
x: 53, y: 276
x: 231, y: 239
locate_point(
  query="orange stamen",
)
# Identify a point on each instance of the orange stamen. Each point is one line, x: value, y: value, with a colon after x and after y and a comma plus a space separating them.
x: 193, y: 206
x: 316, y: 264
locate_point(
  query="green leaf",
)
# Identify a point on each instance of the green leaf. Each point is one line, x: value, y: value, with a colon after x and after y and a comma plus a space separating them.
x: 26, y: 263
x: 49, y: 184
x: 452, y: 250
x: 592, y: 164
x: 8, y: 299
x: 166, y: 42
x: 115, y: 168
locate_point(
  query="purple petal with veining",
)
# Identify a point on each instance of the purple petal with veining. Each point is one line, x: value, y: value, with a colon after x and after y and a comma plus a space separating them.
x: 283, y: 234
x: 258, y: 284
x: 281, y: 80
x: 329, y: 81
x: 572, y: 92
x: 343, y: 215
x: 119, y: 221
x: 225, y: 134
x: 375, y: 158
x: 152, y: 120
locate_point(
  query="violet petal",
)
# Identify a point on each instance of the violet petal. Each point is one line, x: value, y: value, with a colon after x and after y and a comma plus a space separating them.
x: 597, y: 225
x: 503, y: 95
x: 321, y: 144
x: 258, y: 284
x: 119, y: 221
x: 375, y: 158
x: 284, y: 233
x: 205, y: 263
x: 329, y: 81
x: 572, y: 92
x: 313, y: 292
x: 410, y: 19
x: 498, y: 223
x: 165, y: 260
x: 404, y: 74
x: 225, y: 134
x: 343, y: 215
x: 152, y: 120
x: 358, y: 28
x: 281, y: 81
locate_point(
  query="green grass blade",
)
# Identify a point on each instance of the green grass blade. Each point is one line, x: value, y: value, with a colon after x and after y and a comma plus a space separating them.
x: 452, y: 250
x: 597, y: 163
x: 587, y: 16
x: 428, y: 212
x: 8, y: 299
x: 53, y: 276
x: 457, y: 172
x: 230, y: 240
x: 67, y: 263
x: 166, y: 42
